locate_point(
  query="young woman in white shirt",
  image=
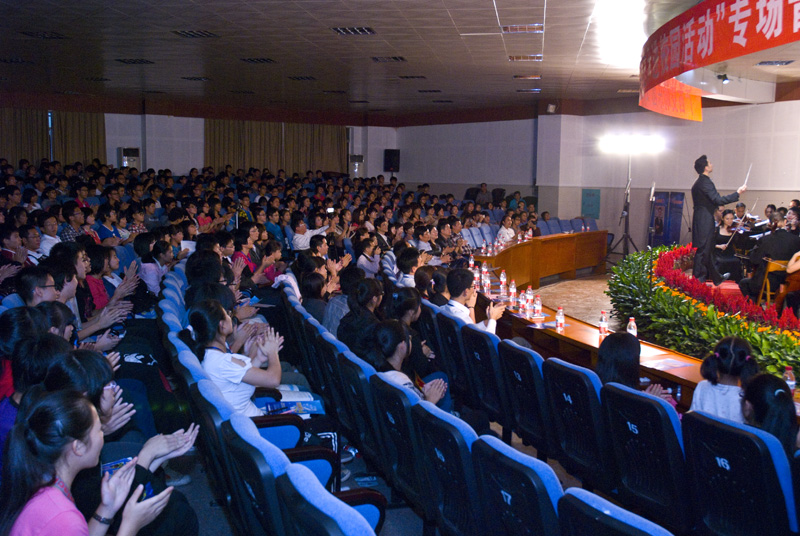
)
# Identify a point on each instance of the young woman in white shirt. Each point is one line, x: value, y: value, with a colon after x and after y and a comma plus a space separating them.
x: 236, y: 375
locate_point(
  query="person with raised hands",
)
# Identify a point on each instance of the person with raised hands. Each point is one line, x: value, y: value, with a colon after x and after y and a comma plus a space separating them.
x: 57, y: 436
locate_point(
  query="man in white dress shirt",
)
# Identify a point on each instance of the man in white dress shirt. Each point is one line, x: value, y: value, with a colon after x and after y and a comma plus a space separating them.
x: 49, y: 226
x: 462, y: 301
x: 302, y: 236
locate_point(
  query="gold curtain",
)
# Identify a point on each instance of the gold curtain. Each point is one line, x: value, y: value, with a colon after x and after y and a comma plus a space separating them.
x: 243, y: 144
x: 315, y: 147
x: 24, y: 135
x: 79, y: 137
x: 291, y: 146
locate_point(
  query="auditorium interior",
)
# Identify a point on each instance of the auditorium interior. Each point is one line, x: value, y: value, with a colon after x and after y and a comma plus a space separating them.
x: 593, y: 112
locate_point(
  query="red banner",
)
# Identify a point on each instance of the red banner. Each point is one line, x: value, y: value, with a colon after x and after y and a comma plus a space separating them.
x: 675, y: 99
x: 714, y: 31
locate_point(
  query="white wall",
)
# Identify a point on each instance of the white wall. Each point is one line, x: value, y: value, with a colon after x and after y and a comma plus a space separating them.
x: 370, y: 142
x: 499, y: 153
x: 166, y: 141
x: 733, y: 137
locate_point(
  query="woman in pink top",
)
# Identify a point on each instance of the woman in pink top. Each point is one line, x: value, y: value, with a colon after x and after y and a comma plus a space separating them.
x: 56, y: 436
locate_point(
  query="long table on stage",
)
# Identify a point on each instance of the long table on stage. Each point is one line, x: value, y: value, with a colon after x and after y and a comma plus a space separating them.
x: 579, y: 341
x: 560, y: 254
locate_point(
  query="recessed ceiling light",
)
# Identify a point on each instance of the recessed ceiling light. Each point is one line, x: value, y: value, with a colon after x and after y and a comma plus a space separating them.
x: 97, y: 79
x: 530, y: 90
x: 243, y: 92
x: 302, y: 78
x: 523, y: 28
x: 627, y: 91
x: 354, y: 30
x: 153, y: 92
x: 257, y: 60
x: 443, y: 101
x: 429, y: 90
x: 45, y: 35
x: 334, y: 92
x: 412, y: 77
x: 388, y: 59
x: 377, y: 110
x: 195, y: 78
x: 358, y: 102
x: 774, y: 63
x: 527, y: 77
x: 135, y: 61
x: 195, y: 34
x: 528, y: 57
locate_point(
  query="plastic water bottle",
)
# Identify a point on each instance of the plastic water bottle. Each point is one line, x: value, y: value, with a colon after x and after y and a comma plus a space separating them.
x: 603, y: 323
x: 471, y: 261
x: 583, y: 228
x: 560, y: 318
x: 788, y: 377
x: 512, y: 291
x: 632, y: 327
x: 503, y: 280
x: 529, y: 294
x: 537, y: 305
x: 483, y: 248
x: 528, y: 308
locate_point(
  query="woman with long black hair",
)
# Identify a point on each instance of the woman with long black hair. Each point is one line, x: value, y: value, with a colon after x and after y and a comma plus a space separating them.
x: 57, y: 436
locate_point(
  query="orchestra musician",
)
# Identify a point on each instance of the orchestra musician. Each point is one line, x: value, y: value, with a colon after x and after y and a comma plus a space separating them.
x: 780, y: 245
x: 724, y: 250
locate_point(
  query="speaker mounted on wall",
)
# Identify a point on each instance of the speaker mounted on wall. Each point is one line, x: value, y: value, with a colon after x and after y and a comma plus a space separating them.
x: 391, y: 160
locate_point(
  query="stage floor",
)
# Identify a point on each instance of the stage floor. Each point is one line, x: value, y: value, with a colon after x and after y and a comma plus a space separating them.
x: 582, y: 298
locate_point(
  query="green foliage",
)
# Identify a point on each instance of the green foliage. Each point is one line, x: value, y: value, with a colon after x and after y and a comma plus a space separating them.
x: 670, y: 319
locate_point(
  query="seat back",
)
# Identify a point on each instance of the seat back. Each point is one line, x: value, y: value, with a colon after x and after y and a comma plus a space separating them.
x: 308, y: 508
x: 355, y: 374
x: 402, y: 450
x: 768, y: 293
x: 446, y: 443
x: 480, y: 351
x: 13, y: 300
x: 453, y: 356
x: 591, y: 224
x: 574, y: 395
x: 522, y: 369
x: 543, y: 227
x: 312, y: 364
x: 189, y: 361
x: 519, y: 494
x: 256, y: 465
x: 206, y: 398
x: 648, y: 451
x: 330, y: 348
x: 477, y: 236
x: 566, y: 226
x: 739, y: 477
x: 428, y: 328
x: 582, y: 512
x: 488, y: 235
x: 577, y: 224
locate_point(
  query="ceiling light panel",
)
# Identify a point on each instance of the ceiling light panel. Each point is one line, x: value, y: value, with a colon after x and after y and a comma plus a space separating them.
x: 257, y: 61
x: 195, y: 34
x: 354, y: 30
x: 135, y: 61
x: 45, y: 35
x: 526, y: 57
x: 388, y: 59
x: 523, y: 29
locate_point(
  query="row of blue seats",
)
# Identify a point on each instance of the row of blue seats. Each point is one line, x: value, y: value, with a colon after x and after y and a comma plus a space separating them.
x: 290, y: 481
x: 453, y: 479
x: 619, y: 440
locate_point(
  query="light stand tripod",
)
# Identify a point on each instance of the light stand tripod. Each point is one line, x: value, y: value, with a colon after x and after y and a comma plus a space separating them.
x: 626, y: 239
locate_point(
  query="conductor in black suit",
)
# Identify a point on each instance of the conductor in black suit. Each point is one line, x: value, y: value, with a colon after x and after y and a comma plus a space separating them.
x: 706, y: 199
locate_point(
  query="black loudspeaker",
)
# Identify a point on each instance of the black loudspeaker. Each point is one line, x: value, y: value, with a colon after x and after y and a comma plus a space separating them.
x: 391, y: 160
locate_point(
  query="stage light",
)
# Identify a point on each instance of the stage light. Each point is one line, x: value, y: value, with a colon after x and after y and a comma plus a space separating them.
x: 632, y: 144
x: 620, y: 31
x: 724, y: 78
